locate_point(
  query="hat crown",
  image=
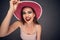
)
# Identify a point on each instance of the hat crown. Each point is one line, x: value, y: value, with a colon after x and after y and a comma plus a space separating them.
x: 37, y: 7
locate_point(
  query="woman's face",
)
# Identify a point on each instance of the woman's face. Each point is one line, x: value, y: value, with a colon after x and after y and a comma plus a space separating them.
x: 28, y: 15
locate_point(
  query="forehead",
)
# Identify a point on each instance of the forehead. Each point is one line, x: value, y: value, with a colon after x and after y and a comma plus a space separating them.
x: 27, y: 9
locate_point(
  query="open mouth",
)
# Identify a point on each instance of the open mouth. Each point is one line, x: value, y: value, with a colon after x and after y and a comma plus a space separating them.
x: 27, y: 18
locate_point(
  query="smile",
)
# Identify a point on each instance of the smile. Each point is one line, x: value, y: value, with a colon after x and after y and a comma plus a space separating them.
x: 27, y: 18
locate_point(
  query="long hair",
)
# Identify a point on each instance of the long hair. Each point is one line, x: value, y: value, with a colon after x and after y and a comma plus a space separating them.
x: 35, y: 18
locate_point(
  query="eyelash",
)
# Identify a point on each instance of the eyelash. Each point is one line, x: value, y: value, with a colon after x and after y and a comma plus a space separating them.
x: 24, y: 13
x: 28, y: 12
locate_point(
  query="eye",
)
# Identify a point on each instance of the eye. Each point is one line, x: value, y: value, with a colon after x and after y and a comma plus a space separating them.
x: 23, y: 12
x: 29, y: 12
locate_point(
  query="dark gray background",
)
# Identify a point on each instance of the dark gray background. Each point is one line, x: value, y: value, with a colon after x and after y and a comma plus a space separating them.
x: 50, y: 20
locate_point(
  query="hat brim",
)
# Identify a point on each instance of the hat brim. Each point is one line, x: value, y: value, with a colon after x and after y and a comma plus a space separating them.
x: 37, y: 7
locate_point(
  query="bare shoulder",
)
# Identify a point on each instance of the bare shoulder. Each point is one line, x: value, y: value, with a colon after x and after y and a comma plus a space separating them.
x: 17, y: 23
x: 14, y: 26
x: 38, y: 27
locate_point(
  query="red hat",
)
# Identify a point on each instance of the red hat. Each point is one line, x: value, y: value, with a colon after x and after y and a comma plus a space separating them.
x: 37, y: 7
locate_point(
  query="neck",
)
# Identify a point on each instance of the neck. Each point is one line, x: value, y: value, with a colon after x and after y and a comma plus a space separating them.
x: 29, y: 24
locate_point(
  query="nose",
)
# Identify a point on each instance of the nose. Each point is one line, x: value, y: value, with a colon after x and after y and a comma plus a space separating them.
x: 26, y: 14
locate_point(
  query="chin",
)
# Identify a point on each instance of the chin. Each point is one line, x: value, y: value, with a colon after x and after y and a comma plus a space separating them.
x: 29, y: 22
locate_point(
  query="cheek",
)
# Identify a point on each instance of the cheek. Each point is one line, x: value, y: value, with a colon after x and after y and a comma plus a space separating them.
x: 32, y: 15
x: 23, y: 16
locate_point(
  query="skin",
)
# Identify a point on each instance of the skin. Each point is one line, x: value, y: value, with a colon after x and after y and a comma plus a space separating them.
x: 28, y: 14
x: 6, y: 29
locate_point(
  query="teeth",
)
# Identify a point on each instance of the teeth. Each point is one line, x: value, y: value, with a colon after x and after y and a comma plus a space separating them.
x: 28, y: 18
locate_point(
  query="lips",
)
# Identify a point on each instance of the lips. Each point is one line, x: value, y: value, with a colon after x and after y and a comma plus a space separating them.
x: 27, y: 18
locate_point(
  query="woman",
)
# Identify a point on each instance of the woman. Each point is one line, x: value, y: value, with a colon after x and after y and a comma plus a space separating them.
x: 30, y: 29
